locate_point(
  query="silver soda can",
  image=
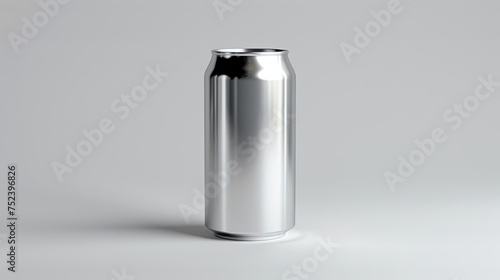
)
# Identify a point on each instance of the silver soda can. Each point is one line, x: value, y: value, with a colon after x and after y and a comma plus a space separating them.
x: 249, y: 144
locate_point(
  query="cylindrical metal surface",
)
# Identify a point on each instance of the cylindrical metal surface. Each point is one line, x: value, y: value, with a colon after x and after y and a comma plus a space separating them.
x: 249, y: 144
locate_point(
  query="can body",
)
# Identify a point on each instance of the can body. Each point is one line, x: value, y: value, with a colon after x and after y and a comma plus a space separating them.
x: 249, y: 144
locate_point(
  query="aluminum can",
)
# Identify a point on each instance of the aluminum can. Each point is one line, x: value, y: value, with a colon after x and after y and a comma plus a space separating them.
x: 250, y: 144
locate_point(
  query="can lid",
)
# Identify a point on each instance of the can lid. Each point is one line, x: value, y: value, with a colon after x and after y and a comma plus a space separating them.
x: 250, y: 51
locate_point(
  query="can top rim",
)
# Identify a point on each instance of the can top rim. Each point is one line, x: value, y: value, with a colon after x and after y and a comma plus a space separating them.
x: 250, y: 51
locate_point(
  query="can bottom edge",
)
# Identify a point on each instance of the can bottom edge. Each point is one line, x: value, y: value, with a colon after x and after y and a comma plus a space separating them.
x: 249, y: 237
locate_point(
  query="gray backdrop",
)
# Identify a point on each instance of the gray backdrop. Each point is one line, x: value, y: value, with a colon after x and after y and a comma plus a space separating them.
x: 369, y: 88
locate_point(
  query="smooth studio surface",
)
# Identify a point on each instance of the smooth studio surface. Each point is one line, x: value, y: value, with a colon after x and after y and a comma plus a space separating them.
x: 132, y: 204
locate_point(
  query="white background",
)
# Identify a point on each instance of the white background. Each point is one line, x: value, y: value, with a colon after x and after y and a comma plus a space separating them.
x: 120, y: 207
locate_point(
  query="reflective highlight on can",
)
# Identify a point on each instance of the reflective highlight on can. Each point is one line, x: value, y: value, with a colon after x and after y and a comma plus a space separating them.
x: 249, y: 144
